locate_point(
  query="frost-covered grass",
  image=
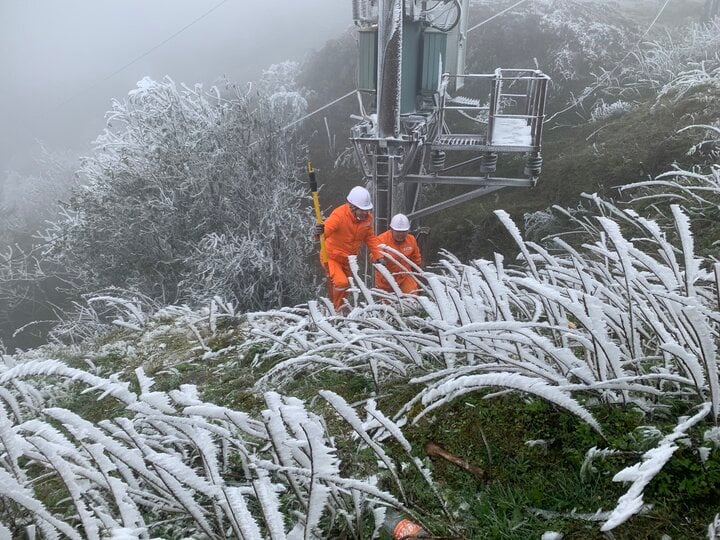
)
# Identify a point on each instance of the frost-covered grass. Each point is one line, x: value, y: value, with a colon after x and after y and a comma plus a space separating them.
x: 170, y: 465
x: 583, y: 378
x: 624, y: 320
x: 674, y: 66
x: 602, y: 110
x: 661, y: 62
x: 612, y: 324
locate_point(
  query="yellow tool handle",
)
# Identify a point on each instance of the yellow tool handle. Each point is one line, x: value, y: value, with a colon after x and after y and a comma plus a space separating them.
x: 316, y: 203
x: 318, y: 214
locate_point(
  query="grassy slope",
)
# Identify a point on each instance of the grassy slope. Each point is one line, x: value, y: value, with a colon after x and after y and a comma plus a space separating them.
x: 489, y: 434
x: 492, y: 434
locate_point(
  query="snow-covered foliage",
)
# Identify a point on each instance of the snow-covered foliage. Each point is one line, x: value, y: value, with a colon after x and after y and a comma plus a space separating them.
x: 701, y: 79
x: 624, y: 319
x: 588, y: 37
x: 680, y: 63
x: 602, y: 110
x: 286, y: 102
x: 714, y: 529
x: 697, y: 190
x: 672, y: 59
x: 597, y: 57
x: 28, y: 283
x: 100, y: 314
x: 168, y: 464
x: 640, y: 474
x: 26, y: 201
x: 610, y: 294
x: 192, y: 193
x: 567, y: 39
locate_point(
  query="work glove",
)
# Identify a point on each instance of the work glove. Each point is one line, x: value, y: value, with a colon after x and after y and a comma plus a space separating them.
x: 319, y: 229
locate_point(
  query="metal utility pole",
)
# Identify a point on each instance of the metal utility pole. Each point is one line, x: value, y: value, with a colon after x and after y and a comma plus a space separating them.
x: 389, y: 76
x: 410, y: 68
x: 390, y: 55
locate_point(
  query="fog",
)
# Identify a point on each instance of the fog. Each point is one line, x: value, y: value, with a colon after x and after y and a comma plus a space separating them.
x: 62, y: 62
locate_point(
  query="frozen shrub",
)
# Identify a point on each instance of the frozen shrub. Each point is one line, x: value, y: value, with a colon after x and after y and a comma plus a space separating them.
x: 602, y: 110
x: 191, y: 193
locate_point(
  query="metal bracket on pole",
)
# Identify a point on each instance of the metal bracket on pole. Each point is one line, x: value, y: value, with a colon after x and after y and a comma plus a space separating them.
x: 452, y: 202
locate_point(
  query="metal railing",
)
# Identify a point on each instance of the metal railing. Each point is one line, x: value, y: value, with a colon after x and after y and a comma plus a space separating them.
x: 505, y: 101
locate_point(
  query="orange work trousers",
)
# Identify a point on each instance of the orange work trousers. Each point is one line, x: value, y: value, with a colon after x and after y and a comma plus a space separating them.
x: 407, y: 283
x: 338, y: 274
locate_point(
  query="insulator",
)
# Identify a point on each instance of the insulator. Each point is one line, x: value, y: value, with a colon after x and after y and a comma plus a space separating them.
x: 357, y: 10
x: 533, y: 166
x: 488, y: 163
x: 437, y: 160
x: 366, y: 8
x: 362, y: 11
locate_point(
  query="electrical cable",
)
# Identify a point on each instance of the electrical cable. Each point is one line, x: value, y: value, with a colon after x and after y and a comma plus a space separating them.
x: 143, y: 55
x: 320, y: 109
x: 478, y: 25
x: 330, y: 104
x: 198, y: 19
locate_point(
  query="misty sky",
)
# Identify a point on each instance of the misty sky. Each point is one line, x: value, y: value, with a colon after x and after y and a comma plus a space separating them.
x: 56, y: 56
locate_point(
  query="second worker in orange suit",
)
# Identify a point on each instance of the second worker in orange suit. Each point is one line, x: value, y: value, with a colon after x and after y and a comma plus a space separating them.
x: 398, y: 238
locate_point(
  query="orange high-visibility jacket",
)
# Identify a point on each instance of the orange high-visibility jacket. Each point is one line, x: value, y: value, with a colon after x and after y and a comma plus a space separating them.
x: 409, y: 248
x: 344, y: 234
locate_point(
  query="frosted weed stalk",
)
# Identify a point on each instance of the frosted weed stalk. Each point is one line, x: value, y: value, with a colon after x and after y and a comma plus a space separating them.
x: 171, y: 465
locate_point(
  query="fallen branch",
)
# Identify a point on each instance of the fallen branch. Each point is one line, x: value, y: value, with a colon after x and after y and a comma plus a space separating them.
x: 435, y: 450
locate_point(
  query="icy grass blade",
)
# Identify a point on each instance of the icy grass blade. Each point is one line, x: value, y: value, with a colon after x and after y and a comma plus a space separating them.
x: 682, y: 225
x: 267, y: 496
x: 323, y: 464
x: 23, y: 497
x: 707, y: 350
x: 642, y: 473
x: 350, y: 416
x: 437, y: 395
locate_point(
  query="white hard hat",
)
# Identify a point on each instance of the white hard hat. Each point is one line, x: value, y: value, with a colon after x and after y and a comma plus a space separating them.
x: 360, y: 197
x: 400, y: 222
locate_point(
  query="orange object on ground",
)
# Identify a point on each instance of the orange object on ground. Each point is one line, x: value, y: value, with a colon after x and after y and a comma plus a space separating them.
x: 410, y: 249
x: 407, y: 529
x: 344, y: 234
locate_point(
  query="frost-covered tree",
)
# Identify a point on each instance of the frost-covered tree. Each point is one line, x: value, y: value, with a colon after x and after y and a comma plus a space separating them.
x: 191, y: 193
x: 28, y: 200
x: 28, y: 285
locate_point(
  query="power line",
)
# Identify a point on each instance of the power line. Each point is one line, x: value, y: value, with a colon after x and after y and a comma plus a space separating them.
x: 143, y: 55
x: 350, y: 93
x: 478, y: 25
x: 291, y: 124
x: 208, y: 12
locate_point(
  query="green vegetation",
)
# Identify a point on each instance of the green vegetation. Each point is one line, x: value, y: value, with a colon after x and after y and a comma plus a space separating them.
x: 533, y: 453
x: 589, y: 158
x: 545, y: 470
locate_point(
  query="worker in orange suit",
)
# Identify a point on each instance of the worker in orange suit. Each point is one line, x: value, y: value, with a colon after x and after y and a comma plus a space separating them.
x: 348, y: 226
x: 398, y: 238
